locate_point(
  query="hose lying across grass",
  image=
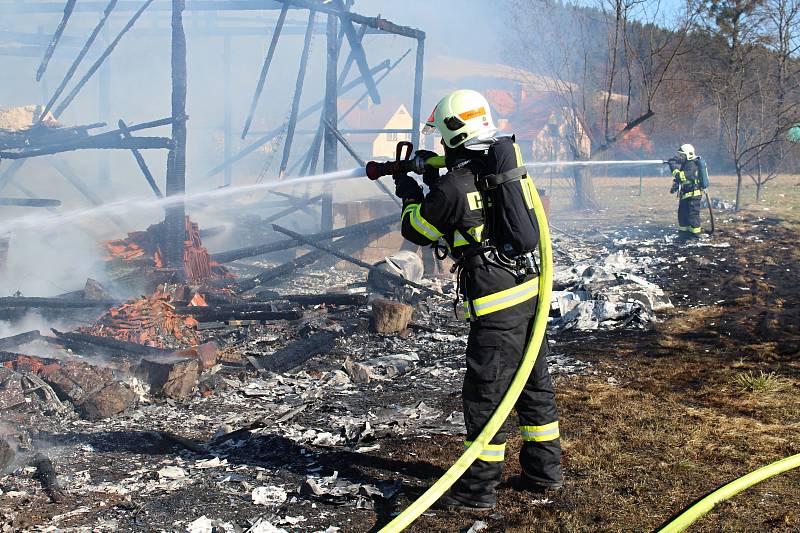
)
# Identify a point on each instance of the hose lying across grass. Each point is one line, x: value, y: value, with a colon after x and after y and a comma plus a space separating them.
x: 704, y: 505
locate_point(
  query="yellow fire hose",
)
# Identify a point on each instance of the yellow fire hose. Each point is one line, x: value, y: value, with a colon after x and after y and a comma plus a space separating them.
x: 698, y: 509
x: 424, y: 502
x: 430, y: 496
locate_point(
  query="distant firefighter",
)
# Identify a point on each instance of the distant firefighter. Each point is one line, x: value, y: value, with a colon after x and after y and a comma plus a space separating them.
x: 687, y: 173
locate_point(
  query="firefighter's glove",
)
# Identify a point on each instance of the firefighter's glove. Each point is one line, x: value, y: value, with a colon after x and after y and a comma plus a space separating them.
x: 431, y: 174
x: 675, y: 187
x: 674, y: 164
x: 407, y: 188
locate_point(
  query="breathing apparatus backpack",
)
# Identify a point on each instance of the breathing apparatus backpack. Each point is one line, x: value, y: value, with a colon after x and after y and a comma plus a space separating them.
x: 702, y: 172
x: 511, y: 230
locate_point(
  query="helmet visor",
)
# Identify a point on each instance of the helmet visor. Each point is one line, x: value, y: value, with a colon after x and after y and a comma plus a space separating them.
x: 428, y: 129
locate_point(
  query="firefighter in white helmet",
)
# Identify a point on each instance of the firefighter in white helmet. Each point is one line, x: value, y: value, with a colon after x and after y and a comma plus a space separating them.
x: 686, y: 182
x: 500, y: 296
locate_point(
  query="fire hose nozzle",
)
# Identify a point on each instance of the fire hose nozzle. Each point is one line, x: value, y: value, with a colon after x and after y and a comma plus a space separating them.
x: 376, y: 169
x: 402, y: 165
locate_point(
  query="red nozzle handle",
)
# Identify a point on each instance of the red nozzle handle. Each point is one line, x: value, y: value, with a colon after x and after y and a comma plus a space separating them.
x: 402, y: 163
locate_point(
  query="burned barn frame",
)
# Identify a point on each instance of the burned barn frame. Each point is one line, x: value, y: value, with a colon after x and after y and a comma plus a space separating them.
x: 341, y: 25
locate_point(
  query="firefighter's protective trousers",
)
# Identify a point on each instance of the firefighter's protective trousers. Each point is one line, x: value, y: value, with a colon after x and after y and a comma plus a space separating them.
x: 501, y: 309
x: 688, y: 177
x: 495, y: 347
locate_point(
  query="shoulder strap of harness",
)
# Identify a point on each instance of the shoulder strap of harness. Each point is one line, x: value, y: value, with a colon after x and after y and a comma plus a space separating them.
x: 492, y: 181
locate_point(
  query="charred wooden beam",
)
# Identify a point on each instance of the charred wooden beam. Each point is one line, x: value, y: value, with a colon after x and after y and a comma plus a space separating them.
x: 271, y: 274
x: 226, y: 313
x: 40, y: 136
x: 68, y: 7
x: 378, y: 81
x: 326, y: 299
x: 8, y: 174
x: 356, y: 229
x: 107, y: 52
x: 417, y: 104
x: 227, y: 308
x: 348, y: 64
x: 298, y: 352
x: 358, y: 53
x: 301, y: 202
x: 258, y: 143
x: 126, y: 133
x: 94, y: 142
x: 53, y: 303
x: 30, y: 202
x: 298, y: 91
x: 174, y: 221
x: 358, y: 262
x: 291, y: 209
x: 74, y: 66
x: 227, y: 108
x: 95, y: 345
x: 373, y: 22
x: 330, y: 112
x: 19, y: 339
x: 265, y: 68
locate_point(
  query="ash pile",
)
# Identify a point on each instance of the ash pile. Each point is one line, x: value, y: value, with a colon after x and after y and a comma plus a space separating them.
x: 279, y: 391
x: 600, y: 287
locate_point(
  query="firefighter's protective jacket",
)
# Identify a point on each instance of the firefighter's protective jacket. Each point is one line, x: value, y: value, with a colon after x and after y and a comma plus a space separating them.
x: 687, y: 176
x: 501, y: 307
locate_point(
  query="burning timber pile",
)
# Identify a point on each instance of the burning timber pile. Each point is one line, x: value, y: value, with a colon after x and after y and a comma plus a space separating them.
x: 143, y: 250
x: 270, y: 401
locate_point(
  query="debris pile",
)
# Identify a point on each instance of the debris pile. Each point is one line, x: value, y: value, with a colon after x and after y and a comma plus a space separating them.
x: 602, y: 289
x: 143, y: 249
x: 150, y: 321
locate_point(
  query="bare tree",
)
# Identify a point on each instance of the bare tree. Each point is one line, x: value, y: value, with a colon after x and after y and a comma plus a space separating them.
x: 605, y: 65
x: 751, y: 76
x: 779, y: 103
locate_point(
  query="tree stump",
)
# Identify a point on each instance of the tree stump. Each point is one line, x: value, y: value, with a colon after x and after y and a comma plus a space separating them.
x: 389, y: 316
x: 171, y: 376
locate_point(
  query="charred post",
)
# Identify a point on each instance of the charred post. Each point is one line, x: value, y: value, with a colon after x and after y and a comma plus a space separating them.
x: 417, y: 105
x: 176, y: 162
x: 298, y: 92
x: 330, y: 112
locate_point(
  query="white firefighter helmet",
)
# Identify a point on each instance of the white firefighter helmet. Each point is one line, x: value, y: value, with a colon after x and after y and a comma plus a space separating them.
x: 461, y: 116
x: 687, y: 150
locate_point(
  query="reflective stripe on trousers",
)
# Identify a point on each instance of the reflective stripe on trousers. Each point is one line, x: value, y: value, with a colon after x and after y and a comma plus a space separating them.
x: 540, y: 433
x: 491, y: 453
x: 502, y: 299
x: 689, y: 229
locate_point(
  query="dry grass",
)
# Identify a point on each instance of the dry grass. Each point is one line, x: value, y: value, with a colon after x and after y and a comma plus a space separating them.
x: 712, y: 393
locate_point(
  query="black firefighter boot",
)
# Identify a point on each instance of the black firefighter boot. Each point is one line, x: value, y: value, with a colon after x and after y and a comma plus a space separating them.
x: 455, y: 502
x: 523, y: 484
